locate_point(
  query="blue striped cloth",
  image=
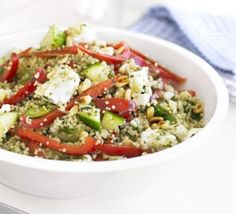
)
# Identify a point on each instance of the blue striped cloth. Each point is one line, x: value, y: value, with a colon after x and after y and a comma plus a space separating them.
x: 212, y: 37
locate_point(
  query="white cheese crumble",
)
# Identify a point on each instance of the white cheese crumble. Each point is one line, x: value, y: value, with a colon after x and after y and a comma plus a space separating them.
x: 168, y: 95
x: 5, y: 108
x: 81, y: 34
x: 149, y: 136
x: 181, y: 132
x: 61, y: 85
x: 140, y: 87
x: 154, y: 138
x: 135, y: 122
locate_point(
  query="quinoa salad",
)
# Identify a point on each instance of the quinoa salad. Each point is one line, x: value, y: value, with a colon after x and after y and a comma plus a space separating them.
x: 78, y: 98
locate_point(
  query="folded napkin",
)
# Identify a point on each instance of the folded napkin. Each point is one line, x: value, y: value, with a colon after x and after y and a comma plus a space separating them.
x: 212, y: 37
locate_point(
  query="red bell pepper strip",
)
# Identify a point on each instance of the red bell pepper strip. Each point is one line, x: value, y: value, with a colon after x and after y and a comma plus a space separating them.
x: 42, y: 121
x: 107, y: 58
x: 51, y: 53
x: 53, y: 144
x: 94, y: 91
x: 127, y: 115
x: 154, y: 66
x: 114, y: 104
x: 192, y: 92
x: 34, y: 148
x: 11, y: 68
x: 46, y: 120
x: 119, y: 106
x: 25, y: 52
x: 40, y: 76
x: 118, y: 150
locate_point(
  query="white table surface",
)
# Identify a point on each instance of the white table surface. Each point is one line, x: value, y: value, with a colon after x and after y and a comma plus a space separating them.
x: 201, y: 182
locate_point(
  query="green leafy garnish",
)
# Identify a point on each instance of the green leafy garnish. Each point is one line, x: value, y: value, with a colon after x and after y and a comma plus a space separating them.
x: 162, y: 112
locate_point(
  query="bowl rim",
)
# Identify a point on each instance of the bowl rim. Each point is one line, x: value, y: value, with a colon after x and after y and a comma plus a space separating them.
x: 110, y: 166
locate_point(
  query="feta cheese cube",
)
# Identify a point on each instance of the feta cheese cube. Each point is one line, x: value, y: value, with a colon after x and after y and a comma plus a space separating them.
x: 168, y: 95
x: 181, y: 132
x: 5, y: 108
x: 154, y: 138
x: 81, y: 34
x: 141, y: 99
x: 61, y: 86
x: 140, y: 87
x: 149, y: 136
x: 138, y: 80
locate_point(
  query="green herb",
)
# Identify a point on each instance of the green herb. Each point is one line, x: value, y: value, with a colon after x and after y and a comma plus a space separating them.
x: 196, y: 116
x: 162, y: 112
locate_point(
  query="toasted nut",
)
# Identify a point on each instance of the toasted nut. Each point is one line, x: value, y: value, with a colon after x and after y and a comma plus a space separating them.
x: 123, y: 68
x: 122, y: 81
x: 86, y: 99
x: 127, y: 141
x: 156, y: 120
x: 74, y: 110
x: 120, y: 50
x: 154, y: 126
x: 198, y: 108
x: 150, y: 112
x: 120, y: 93
x: 128, y: 94
x: 85, y: 85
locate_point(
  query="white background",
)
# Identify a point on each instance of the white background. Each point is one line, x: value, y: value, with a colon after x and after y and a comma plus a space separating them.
x: 203, y: 181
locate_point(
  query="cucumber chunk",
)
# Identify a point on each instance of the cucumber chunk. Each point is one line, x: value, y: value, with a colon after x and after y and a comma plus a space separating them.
x: 54, y: 38
x: 39, y: 112
x: 90, y: 116
x: 111, y: 121
x: 97, y: 72
x: 7, y: 121
x: 162, y: 112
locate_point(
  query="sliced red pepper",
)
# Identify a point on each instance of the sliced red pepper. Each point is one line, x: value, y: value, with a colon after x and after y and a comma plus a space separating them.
x: 127, y: 115
x: 119, y: 150
x: 119, y: 106
x: 11, y: 68
x: 192, y: 92
x: 46, y: 120
x: 51, y: 53
x: 107, y: 58
x: 53, y: 144
x: 42, y: 121
x: 114, y: 104
x: 39, y: 76
x: 94, y: 91
x: 25, y: 52
x: 154, y: 66
x: 33, y: 147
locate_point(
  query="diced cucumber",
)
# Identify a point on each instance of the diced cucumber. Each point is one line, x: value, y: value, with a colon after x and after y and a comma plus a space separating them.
x: 111, y: 121
x: 39, y: 112
x: 97, y: 72
x: 90, y: 116
x: 162, y: 112
x: 7, y: 120
x: 54, y: 38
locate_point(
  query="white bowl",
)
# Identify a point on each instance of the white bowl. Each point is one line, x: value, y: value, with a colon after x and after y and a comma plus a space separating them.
x: 61, y: 179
